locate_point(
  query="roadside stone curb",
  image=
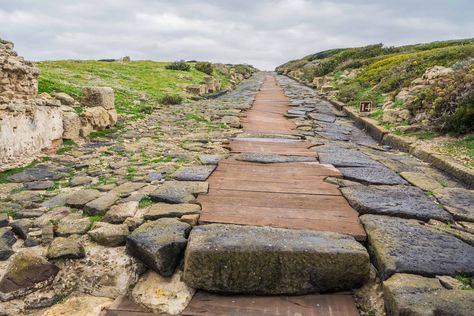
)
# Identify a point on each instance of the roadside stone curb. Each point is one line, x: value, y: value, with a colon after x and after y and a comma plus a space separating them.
x: 382, y: 135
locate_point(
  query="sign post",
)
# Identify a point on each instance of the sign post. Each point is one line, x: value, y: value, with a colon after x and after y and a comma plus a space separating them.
x: 365, y: 107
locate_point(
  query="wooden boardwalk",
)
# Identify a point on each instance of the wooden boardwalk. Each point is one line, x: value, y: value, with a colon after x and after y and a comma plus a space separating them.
x: 289, y: 195
x: 286, y: 195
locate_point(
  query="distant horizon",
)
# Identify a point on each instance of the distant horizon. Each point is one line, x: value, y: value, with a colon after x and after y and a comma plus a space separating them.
x: 263, y: 34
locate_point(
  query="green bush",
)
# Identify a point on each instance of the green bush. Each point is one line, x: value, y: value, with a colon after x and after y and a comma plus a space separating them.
x: 178, y: 65
x: 462, y: 121
x: 204, y: 67
x: 171, y: 99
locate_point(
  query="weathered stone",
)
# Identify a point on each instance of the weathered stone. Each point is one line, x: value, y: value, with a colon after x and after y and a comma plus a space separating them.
x: 119, y: 213
x: 38, y: 173
x: 191, y: 219
x: 159, y: 244
x: 21, y: 227
x: 162, y: 295
x: 406, y: 246
x: 7, y: 240
x: 398, y: 200
x: 454, y: 230
x: 97, y: 117
x: 27, y: 272
x: 80, y: 181
x: 80, y: 198
x: 101, y: 204
x: 341, y: 157
x: 272, y: 158
x: 195, y: 173
x: 372, y: 175
x: 421, y: 180
x: 38, y: 185
x: 72, y: 125
x: 450, y: 283
x: 84, y: 305
x: 263, y: 260
x: 161, y: 210
x: 65, y: 248
x: 28, y: 214
x: 73, y: 224
x: 407, y: 294
x: 129, y: 187
x: 3, y: 219
x: 210, y: 159
x: 109, y: 234
x: 64, y: 98
x: 179, y: 192
x: 458, y: 201
x: 98, y: 97
x: 58, y: 200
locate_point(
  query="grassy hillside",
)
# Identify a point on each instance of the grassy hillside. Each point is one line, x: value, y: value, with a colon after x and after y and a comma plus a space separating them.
x: 138, y: 85
x: 412, y: 98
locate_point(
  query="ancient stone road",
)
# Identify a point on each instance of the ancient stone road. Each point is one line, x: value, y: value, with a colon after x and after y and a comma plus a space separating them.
x: 284, y: 194
x: 298, y: 202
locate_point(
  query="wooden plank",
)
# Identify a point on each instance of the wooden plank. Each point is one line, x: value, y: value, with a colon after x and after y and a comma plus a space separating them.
x: 206, y: 304
x: 281, y: 186
x: 322, y: 203
x: 298, y: 149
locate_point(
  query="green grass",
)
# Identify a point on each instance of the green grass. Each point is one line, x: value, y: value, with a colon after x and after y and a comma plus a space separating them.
x: 96, y: 218
x: 466, y: 281
x: 461, y: 147
x: 424, y: 135
x: 132, y: 81
x: 68, y: 145
x: 145, y: 202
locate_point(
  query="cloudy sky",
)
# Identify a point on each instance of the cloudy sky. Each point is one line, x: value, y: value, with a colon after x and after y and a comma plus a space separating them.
x: 264, y: 33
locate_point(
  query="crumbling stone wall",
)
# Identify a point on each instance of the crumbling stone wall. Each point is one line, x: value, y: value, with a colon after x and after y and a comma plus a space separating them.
x: 18, y: 78
x: 28, y: 123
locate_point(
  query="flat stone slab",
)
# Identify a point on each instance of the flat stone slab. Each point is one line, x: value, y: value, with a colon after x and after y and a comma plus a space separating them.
x: 341, y: 157
x: 264, y: 260
x: 38, y: 173
x: 398, y: 200
x: 179, y: 191
x: 408, y: 294
x: 322, y: 117
x: 196, y: 173
x: 161, y: 210
x: 406, y: 246
x: 372, y: 175
x: 272, y: 158
x: 459, y: 202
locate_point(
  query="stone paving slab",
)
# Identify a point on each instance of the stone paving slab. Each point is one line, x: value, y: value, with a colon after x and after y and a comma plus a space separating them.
x: 408, y: 246
x: 263, y: 260
x: 407, y: 294
x: 398, y: 200
x: 372, y: 175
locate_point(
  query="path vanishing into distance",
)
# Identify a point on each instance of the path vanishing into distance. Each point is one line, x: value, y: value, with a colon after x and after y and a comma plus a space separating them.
x: 296, y: 212
x: 286, y: 209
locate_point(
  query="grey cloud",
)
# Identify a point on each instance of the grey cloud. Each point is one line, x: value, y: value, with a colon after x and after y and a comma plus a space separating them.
x: 264, y: 33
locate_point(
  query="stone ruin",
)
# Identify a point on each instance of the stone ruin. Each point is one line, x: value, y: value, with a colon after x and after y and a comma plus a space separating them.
x: 32, y: 123
x: 209, y: 85
x: 28, y: 123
